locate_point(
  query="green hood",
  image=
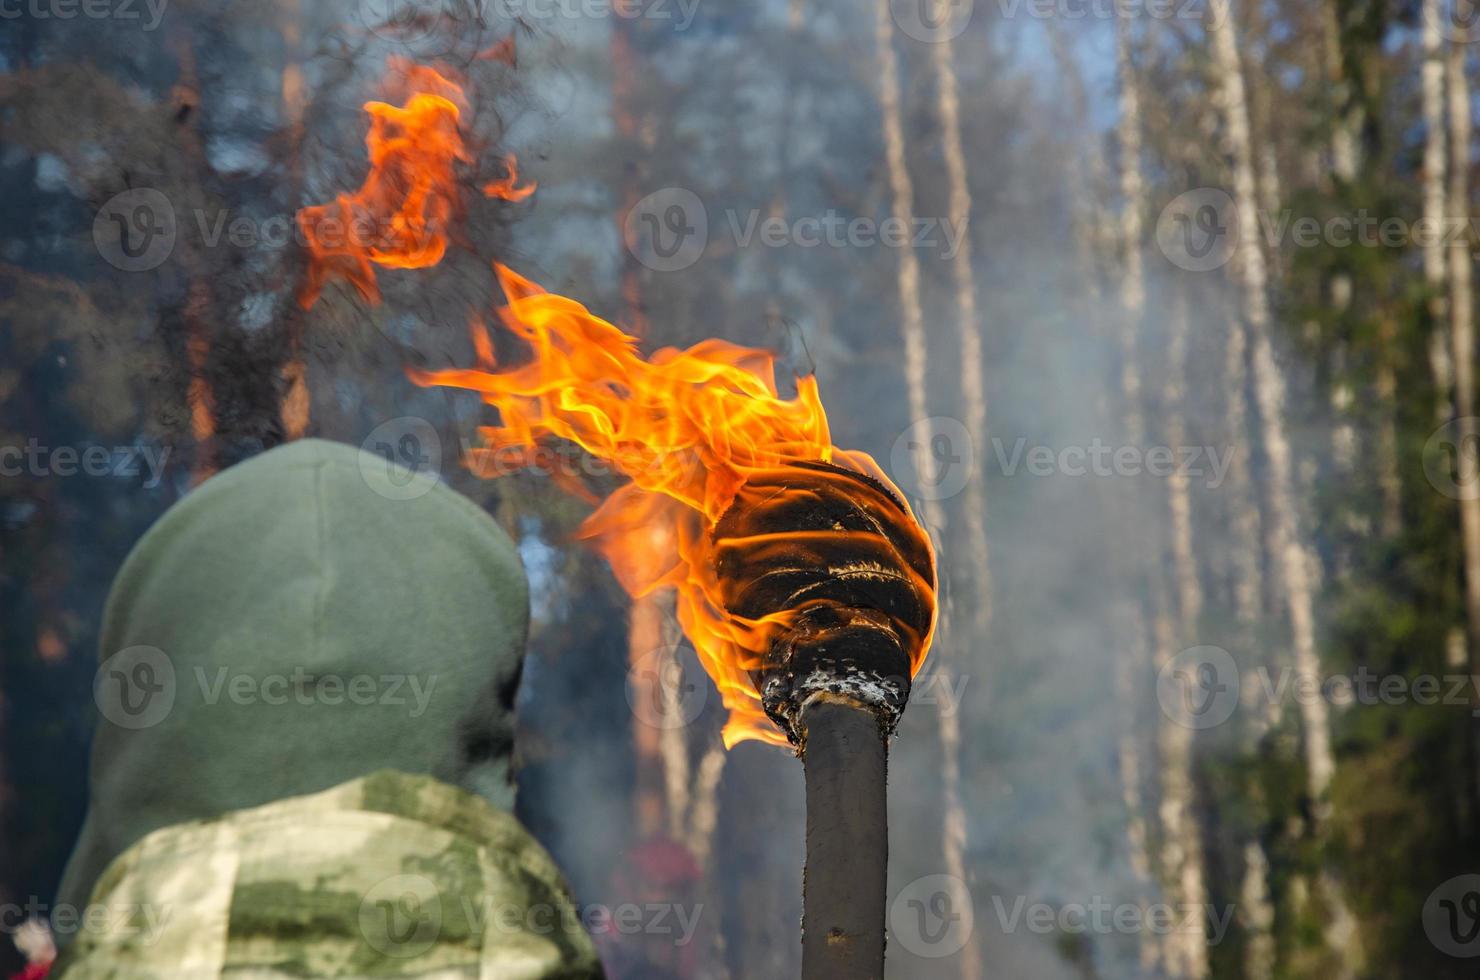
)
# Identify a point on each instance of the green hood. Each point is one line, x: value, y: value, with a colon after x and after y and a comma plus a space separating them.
x: 302, y: 619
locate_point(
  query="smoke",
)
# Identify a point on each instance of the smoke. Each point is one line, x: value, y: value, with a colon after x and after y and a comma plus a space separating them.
x: 765, y: 115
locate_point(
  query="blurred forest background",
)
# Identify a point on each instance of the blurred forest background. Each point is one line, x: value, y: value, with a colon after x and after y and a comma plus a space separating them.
x: 1191, y: 233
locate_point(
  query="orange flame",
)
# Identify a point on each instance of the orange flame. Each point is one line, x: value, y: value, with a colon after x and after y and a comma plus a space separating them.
x: 687, y: 427
x: 400, y: 217
x: 504, y: 188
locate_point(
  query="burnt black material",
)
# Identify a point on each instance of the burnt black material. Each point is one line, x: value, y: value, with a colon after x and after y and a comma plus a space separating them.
x: 843, y: 553
x: 845, y: 756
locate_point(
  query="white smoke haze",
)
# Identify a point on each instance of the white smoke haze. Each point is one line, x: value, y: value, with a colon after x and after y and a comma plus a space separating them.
x: 718, y: 169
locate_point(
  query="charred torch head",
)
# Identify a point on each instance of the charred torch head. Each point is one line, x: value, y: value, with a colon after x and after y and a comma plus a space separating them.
x: 839, y: 557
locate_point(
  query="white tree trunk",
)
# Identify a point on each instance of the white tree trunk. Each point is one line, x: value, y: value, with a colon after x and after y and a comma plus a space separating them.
x: 1256, y: 913
x: 1128, y: 755
x: 704, y: 808
x: 1288, y: 559
x: 1180, y: 860
x: 1182, y: 854
x: 1133, y: 201
x: 968, y: 328
x: 912, y: 323
x: 1244, y: 549
x: 1462, y: 336
x: 1433, y: 200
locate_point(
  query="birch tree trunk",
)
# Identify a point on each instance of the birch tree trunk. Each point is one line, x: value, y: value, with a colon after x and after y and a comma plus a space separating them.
x: 912, y: 323
x: 1261, y: 120
x: 1133, y: 201
x: 1247, y: 550
x: 1172, y: 951
x: 704, y: 808
x: 1128, y: 758
x: 1183, y: 851
x: 1269, y: 389
x: 1288, y: 559
x: 1462, y: 340
x: 1432, y: 78
x: 1344, y: 144
x: 1244, y: 518
x: 1256, y: 913
x: 968, y: 329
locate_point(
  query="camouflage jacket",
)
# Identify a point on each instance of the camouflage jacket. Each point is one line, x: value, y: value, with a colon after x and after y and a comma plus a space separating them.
x: 390, y: 875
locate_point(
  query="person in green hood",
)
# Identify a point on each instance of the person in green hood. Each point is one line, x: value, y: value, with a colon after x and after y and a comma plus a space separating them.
x: 302, y: 765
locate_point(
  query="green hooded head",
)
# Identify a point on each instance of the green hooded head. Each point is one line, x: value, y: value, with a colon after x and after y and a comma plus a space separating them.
x: 300, y: 620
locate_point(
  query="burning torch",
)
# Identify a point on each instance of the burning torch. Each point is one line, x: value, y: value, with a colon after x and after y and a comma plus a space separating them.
x: 801, y: 576
x: 842, y: 553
